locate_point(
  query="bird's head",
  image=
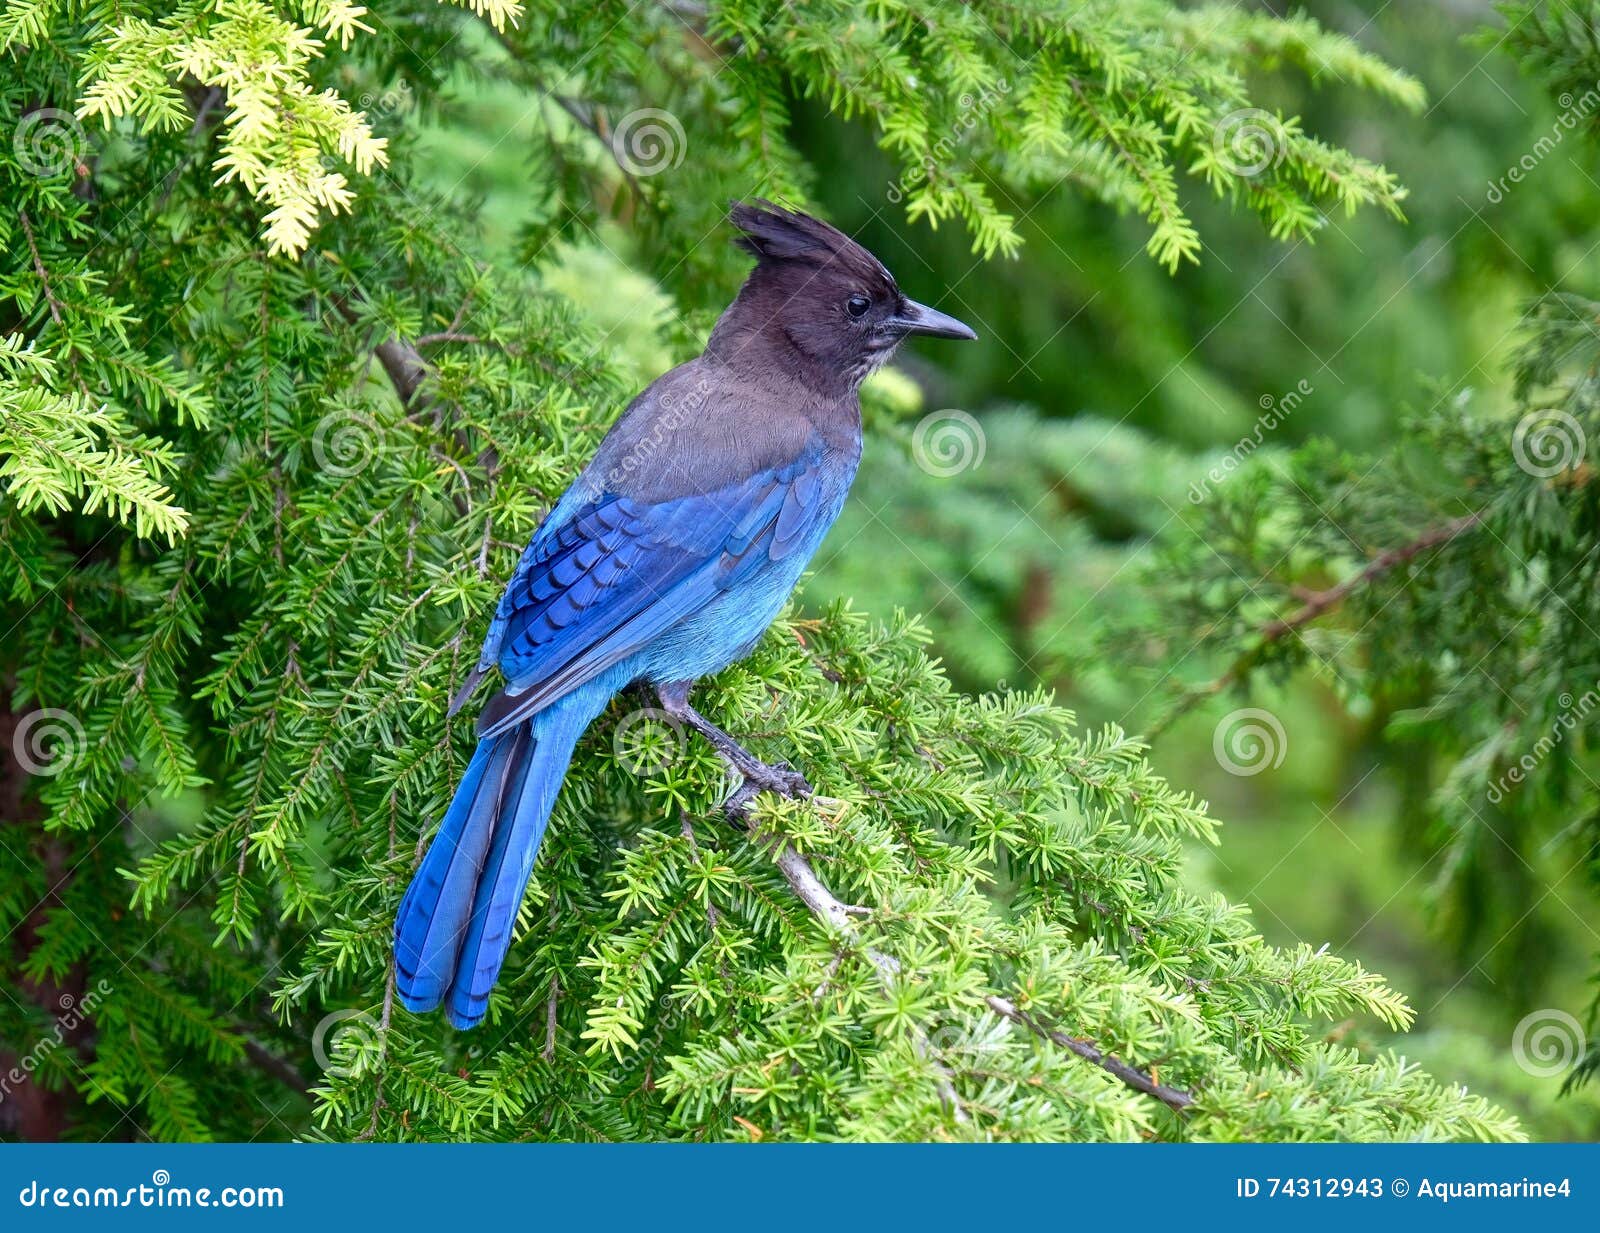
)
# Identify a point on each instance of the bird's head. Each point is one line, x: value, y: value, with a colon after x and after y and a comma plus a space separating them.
x: 828, y: 297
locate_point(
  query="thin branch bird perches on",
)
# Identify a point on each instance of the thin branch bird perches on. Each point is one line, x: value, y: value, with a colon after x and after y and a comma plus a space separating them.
x: 812, y: 891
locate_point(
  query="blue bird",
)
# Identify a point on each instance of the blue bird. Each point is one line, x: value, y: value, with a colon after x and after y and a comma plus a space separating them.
x: 665, y: 561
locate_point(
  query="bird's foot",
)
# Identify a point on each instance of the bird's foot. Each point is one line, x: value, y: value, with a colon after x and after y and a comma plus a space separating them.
x: 758, y: 777
x: 777, y: 777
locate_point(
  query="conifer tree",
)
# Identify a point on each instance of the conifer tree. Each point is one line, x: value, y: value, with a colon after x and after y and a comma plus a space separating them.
x: 273, y: 435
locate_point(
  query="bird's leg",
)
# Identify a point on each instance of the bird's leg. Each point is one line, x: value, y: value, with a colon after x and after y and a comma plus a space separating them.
x: 757, y: 775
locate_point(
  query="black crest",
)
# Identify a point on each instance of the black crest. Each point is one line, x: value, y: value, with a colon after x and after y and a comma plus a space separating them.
x: 776, y: 235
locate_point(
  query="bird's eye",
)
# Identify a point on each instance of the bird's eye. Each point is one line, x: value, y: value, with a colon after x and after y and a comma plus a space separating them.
x: 857, y: 305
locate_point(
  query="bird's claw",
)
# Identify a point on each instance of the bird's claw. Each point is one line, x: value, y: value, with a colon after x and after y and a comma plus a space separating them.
x: 784, y: 780
x: 737, y: 806
x: 780, y: 778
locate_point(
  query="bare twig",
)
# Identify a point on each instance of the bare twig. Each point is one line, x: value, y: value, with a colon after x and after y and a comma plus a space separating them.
x: 686, y: 829
x: 805, y: 883
x: 591, y: 120
x: 483, y: 550
x: 270, y: 1063
x: 451, y: 336
x: 585, y: 115
x: 209, y: 101
x: 1172, y: 1097
x: 404, y: 367
x: 548, y: 1053
x: 1319, y: 602
x: 378, y: 1102
x: 38, y: 266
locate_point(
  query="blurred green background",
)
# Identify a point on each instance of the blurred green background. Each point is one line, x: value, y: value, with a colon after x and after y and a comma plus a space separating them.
x: 1103, y: 388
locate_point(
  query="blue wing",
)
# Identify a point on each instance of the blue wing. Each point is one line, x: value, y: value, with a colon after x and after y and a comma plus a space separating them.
x: 616, y: 572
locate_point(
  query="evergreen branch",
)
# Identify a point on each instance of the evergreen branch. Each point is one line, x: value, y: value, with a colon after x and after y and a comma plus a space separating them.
x: 1314, y: 605
x: 298, y: 648
x: 1320, y: 602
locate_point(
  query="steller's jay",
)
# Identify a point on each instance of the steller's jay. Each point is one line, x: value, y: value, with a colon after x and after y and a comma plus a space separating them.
x: 666, y: 560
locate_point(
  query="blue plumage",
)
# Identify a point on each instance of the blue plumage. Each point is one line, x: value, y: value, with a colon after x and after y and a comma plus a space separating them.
x: 665, y: 561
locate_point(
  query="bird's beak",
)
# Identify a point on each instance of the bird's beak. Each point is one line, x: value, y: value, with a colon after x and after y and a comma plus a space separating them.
x: 914, y: 318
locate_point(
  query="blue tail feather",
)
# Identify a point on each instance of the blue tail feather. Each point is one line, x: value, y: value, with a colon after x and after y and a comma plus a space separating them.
x: 505, y: 876
x: 432, y: 919
x: 455, y: 923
